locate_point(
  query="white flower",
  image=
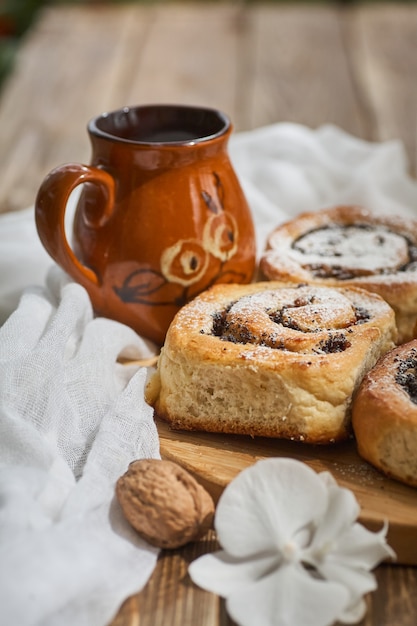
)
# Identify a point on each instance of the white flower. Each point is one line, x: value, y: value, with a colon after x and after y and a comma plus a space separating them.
x: 293, y: 553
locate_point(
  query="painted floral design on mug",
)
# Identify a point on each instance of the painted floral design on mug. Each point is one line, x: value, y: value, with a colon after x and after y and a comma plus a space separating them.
x: 187, y: 261
x: 220, y: 236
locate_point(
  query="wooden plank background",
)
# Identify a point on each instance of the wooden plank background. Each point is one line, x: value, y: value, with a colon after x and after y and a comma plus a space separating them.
x: 355, y: 67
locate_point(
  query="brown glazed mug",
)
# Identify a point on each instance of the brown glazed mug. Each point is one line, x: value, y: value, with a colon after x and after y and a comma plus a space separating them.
x: 161, y: 215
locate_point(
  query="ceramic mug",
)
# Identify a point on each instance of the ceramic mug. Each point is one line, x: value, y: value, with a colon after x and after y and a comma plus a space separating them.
x: 161, y: 215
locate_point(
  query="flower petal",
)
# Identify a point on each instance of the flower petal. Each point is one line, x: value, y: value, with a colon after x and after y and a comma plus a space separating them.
x: 347, y: 562
x: 360, y: 547
x: 342, y: 511
x: 288, y: 596
x: 358, y: 582
x: 353, y: 614
x: 267, y: 504
x: 224, y: 574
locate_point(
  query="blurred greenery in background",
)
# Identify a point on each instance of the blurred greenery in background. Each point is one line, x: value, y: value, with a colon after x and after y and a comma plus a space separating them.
x: 16, y: 16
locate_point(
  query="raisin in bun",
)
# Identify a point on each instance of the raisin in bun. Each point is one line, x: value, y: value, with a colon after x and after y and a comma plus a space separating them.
x: 270, y: 359
x: 350, y: 246
x: 385, y: 414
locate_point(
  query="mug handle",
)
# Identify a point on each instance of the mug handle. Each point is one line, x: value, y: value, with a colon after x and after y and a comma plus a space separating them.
x: 50, y: 207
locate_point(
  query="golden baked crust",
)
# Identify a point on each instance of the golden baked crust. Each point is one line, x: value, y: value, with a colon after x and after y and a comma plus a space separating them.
x: 384, y: 414
x: 270, y: 359
x: 350, y: 246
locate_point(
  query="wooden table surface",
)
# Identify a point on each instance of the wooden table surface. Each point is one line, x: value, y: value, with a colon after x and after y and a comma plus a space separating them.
x: 354, y: 66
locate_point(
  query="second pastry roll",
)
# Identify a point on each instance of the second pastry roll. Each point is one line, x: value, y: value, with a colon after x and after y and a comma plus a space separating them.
x: 349, y: 246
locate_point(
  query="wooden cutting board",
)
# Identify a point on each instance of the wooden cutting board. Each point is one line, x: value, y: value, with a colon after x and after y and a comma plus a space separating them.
x: 216, y: 459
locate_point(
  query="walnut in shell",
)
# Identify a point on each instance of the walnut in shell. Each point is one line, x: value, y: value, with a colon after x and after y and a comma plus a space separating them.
x: 164, y: 503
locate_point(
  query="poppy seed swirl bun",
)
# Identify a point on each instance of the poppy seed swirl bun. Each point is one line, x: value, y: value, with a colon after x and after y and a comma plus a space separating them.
x: 349, y: 246
x: 270, y: 359
x: 384, y: 414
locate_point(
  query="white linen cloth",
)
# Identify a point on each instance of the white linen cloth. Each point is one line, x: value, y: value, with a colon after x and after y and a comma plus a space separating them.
x: 286, y: 169
x: 72, y: 418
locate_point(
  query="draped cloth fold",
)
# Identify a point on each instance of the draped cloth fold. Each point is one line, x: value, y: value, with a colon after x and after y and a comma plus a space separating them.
x: 71, y: 420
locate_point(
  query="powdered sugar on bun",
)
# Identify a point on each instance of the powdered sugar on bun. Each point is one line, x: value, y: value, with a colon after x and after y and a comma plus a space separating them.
x: 302, y: 319
x: 349, y: 246
x: 355, y: 250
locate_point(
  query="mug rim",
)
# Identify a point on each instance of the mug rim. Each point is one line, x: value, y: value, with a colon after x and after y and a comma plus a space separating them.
x: 224, y: 122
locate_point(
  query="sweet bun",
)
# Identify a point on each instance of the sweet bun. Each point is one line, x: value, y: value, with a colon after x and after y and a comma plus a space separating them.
x: 384, y: 414
x: 270, y: 359
x: 350, y: 246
